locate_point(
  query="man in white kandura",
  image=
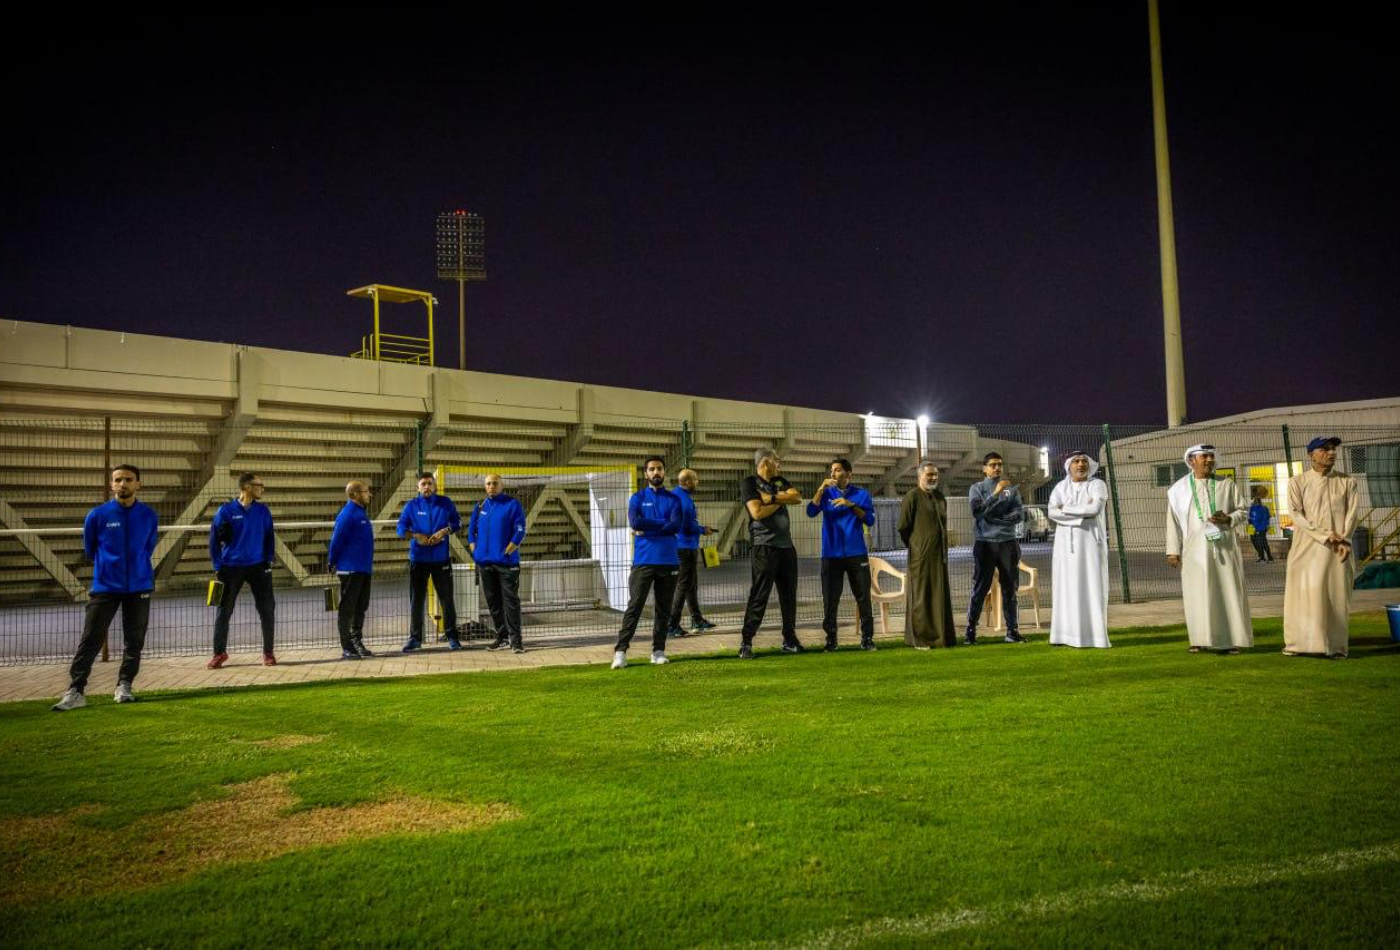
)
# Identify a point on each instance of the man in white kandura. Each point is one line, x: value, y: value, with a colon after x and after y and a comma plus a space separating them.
x: 1080, y: 572
x: 1317, y: 598
x: 1202, y: 514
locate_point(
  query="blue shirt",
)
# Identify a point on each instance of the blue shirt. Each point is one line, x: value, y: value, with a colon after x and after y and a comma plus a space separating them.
x: 429, y: 516
x: 994, y: 519
x: 497, y: 522
x: 656, y: 513
x: 241, y: 537
x: 352, y: 541
x: 688, y: 539
x: 120, y: 541
x: 1259, y: 517
x: 843, y: 534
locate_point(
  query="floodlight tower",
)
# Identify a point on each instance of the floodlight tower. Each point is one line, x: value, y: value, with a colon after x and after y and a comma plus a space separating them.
x: 461, y: 256
x: 1166, y: 232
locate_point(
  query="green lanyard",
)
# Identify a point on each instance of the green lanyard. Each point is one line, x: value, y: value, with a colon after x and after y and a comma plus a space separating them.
x: 1196, y: 498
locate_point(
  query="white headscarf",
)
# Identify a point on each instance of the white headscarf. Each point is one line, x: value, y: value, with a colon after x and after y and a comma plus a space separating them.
x: 1093, y: 465
x: 1197, y: 450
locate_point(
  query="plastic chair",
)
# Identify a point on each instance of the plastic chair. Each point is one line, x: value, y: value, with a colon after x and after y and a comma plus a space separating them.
x: 993, y: 602
x: 878, y: 566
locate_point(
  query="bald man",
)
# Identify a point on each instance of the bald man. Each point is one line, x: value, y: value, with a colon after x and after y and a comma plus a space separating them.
x: 494, y: 536
x: 688, y: 550
x: 351, y: 559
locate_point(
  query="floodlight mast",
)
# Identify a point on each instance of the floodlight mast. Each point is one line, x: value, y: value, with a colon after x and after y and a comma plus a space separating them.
x: 1166, y: 232
x: 461, y: 256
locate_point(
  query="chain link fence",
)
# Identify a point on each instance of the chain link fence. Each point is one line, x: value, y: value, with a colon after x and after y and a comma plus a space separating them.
x: 55, y: 470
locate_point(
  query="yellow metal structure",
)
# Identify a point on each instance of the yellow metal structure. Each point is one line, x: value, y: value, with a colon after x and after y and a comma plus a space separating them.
x: 395, y: 347
x: 1385, y: 535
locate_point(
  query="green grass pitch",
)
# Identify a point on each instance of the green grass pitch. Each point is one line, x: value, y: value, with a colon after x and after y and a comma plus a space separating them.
x: 997, y: 796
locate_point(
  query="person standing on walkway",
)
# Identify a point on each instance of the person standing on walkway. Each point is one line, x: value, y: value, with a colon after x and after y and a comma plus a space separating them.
x: 655, y: 516
x: 494, y: 536
x: 688, y: 551
x: 1259, y: 519
x: 242, y: 548
x: 766, y: 496
x: 429, y: 519
x: 928, y: 601
x: 996, y: 513
x: 1202, y: 514
x: 1317, y: 597
x: 119, y: 538
x: 846, y: 511
x: 351, y: 559
x: 1080, y: 567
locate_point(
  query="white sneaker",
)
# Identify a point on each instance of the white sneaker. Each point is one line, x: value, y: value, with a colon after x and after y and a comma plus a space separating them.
x: 71, y: 700
x: 619, y: 659
x: 658, y: 658
x: 123, y: 694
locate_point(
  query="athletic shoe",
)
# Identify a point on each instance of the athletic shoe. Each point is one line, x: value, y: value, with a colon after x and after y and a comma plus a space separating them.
x: 269, y: 660
x: 970, y: 641
x: 700, y: 626
x: 73, y: 699
x: 218, y: 660
x: 123, y: 694
x: 453, y: 643
x: 361, y: 649
x: 500, y: 644
x: 830, y: 647
x: 658, y: 658
x: 517, y: 647
x: 619, y: 660
x: 745, y: 652
x: 349, y: 654
x: 1015, y: 637
x: 867, y: 645
x: 414, y: 643
x: 676, y: 632
x: 794, y: 647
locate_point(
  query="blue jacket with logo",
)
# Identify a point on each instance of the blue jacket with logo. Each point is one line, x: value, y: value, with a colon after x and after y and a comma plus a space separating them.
x: 843, y: 534
x: 241, y: 537
x: 429, y: 516
x: 1259, y: 517
x: 352, y: 541
x: 497, y: 522
x: 657, y: 514
x: 688, y: 538
x: 120, y: 541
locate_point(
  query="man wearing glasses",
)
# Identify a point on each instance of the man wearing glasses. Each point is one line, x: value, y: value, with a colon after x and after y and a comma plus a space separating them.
x: 242, y: 547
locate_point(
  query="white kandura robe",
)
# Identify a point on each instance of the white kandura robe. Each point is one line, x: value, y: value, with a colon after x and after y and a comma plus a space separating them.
x: 1079, y: 614
x: 1212, y: 574
x: 1317, y: 597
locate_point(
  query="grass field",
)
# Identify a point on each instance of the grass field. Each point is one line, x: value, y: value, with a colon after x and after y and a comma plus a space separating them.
x: 999, y: 796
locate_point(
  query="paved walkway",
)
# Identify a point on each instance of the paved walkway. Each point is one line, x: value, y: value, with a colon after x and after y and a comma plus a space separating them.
x: 310, y: 666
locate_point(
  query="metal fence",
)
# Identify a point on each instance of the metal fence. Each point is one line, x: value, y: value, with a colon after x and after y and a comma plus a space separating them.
x: 55, y: 470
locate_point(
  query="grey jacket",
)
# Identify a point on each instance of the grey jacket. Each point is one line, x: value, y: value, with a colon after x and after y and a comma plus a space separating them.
x: 994, y: 519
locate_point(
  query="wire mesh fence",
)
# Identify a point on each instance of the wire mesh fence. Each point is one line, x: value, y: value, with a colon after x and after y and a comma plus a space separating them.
x: 578, y: 545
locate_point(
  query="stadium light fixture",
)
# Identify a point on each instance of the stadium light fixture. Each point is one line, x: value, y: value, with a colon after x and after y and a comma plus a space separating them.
x: 923, y: 421
x: 461, y: 256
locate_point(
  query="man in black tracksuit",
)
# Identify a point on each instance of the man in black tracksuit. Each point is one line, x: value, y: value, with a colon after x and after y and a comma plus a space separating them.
x: 766, y: 495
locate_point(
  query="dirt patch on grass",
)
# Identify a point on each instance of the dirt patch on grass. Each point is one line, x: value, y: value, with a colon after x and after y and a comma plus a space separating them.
x: 59, y: 855
x: 712, y: 743
x: 290, y: 741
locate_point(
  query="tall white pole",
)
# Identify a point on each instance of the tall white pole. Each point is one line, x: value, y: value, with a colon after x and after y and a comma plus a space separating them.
x: 1166, y: 232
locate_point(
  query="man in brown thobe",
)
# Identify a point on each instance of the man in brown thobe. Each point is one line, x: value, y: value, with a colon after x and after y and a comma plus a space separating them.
x: 1317, y: 598
x: 928, y: 602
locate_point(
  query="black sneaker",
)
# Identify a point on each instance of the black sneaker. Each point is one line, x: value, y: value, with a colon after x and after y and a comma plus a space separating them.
x: 794, y: 647
x: 361, y: 649
x: 517, y: 647
x: 700, y: 626
x: 676, y: 632
x: 349, y: 654
x: 829, y: 647
x: 745, y: 652
x: 867, y: 645
x: 1015, y: 637
x: 500, y: 644
x: 970, y: 641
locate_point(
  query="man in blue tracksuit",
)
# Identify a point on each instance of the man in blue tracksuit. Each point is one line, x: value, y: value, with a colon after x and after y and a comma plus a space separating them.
x: 429, y: 519
x: 494, y: 536
x: 1259, y: 519
x: 846, y: 511
x: 242, y: 547
x: 655, y: 516
x: 351, y: 558
x: 119, y: 538
x: 996, y: 512
x: 688, y: 551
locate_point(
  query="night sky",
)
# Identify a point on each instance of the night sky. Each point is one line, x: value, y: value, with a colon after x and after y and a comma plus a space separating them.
x: 954, y: 215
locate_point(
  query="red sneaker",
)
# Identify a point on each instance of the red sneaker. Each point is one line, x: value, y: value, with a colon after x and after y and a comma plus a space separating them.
x: 269, y: 660
x: 219, y: 660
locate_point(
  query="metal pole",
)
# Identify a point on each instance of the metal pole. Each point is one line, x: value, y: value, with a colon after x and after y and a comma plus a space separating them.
x: 419, y: 437
x: 1117, y: 514
x: 1166, y: 234
x: 685, y: 443
x: 461, y: 324
x: 1287, y: 452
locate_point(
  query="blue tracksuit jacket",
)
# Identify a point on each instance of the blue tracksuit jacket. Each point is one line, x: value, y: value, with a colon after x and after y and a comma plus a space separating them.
x: 241, y: 537
x: 1259, y: 518
x: 352, y: 541
x: 842, y: 532
x: 495, y: 523
x: 120, y: 541
x: 428, y: 516
x: 657, y: 514
x: 688, y: 539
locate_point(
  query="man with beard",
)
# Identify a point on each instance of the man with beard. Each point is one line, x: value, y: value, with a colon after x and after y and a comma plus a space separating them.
x: 928, y: 601
x: 655, y: 516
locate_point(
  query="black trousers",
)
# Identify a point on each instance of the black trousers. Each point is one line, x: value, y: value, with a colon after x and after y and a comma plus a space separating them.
x: 687, y: 588
x: 441, y: 574
x: 354, y: 601
x: 501, y: 585
x: 101, y: 608
x: 856, y: 571
x: 772, y: 566
x: 258, y: 577
x: 641, y: 582
x: 1001, y: 557
x: 1261, y: 545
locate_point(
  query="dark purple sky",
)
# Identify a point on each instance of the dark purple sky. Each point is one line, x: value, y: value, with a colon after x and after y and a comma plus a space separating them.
x: 954, y: 215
